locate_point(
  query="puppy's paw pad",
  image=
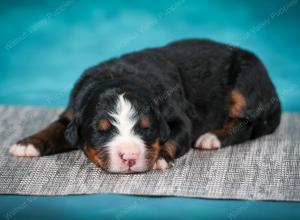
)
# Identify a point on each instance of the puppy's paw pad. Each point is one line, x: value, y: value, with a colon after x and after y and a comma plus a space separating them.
x: 208, y: 141
x: 20, y: 150
x: 162, y: 164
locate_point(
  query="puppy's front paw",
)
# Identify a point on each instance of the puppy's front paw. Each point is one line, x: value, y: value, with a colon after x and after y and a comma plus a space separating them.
x: 208, y: 141
x: 162, y: 164
x: 24, y: 150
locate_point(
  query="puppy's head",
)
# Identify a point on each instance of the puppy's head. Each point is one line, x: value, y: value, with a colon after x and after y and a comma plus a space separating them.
x: 119, y: 131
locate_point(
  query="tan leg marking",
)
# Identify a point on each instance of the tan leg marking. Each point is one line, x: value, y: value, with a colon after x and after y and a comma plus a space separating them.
x: 237, y: 104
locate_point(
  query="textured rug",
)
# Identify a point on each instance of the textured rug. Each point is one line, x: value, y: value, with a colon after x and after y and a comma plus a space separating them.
x: 265, y: 169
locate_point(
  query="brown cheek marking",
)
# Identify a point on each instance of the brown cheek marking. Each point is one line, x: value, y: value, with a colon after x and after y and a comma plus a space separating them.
x: 155, y: 151
x: 170, y: 149
x: 237, y: 104
x: 144, y: 121
x: 93, y: 155
x: 104, y: 124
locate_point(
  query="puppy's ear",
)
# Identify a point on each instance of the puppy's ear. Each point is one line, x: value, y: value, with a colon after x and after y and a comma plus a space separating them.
x: 164, y: 130
x: 71, y: 132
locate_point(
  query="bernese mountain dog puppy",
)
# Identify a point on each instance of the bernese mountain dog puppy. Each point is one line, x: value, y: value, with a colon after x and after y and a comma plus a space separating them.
x: 142, y: 110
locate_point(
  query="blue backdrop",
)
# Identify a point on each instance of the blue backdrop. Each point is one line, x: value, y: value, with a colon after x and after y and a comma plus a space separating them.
x: 45, y: 45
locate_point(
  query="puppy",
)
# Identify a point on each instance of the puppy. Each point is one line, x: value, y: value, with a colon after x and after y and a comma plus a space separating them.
x: 142, y: 110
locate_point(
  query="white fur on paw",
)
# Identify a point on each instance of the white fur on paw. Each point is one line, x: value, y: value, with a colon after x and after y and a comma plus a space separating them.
x: 20, y: 150
x: 208, y: 141
x: 160, y: 164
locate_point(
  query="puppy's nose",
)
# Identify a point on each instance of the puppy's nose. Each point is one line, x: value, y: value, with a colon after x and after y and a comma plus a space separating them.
x: 128, y: 159
x: 131, y: 162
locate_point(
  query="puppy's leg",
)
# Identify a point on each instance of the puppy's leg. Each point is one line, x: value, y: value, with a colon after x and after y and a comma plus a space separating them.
x: 166, y: 156
x: 177, y: 145
x: 234, y: 131
x: 49, y: 140
x: 239, y: 127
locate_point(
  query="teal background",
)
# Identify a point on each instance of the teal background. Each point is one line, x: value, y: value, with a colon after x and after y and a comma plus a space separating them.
x: 45, y: 45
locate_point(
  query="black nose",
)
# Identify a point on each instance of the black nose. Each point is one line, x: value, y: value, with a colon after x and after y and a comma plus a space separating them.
x: 131, y: 162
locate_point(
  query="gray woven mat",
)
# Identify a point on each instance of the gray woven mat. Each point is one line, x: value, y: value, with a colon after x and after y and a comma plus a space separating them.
x: 266, y: 169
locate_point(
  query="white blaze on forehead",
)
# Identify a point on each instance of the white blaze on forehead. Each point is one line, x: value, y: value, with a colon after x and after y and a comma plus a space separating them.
x: 124, y: 117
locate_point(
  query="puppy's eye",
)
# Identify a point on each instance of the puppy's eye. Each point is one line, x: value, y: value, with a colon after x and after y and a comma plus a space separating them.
x: 104, y: 124
x: 144, y: 121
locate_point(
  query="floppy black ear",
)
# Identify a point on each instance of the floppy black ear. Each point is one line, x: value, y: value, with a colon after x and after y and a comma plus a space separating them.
x: 164, y: 130
x: 71, y: 133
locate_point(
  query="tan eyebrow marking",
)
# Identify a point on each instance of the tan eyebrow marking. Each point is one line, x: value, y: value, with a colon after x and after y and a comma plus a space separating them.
x: 104, y: 124
x: 144, y: 121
